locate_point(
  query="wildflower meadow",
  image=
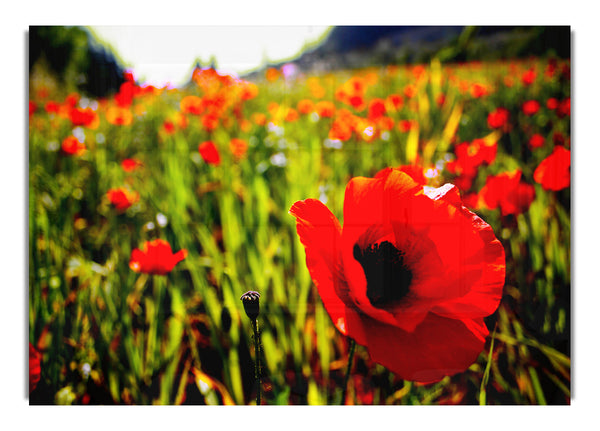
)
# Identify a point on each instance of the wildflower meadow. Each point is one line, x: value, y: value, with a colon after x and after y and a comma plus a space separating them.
x: 389, y: 235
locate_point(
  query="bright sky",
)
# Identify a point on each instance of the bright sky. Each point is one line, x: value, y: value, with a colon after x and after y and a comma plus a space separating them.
x: 166, y: 54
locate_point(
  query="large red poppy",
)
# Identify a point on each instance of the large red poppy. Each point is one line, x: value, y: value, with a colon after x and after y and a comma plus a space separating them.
x: 554, y: 172
x: 155, y: 257
x: 410, y: 275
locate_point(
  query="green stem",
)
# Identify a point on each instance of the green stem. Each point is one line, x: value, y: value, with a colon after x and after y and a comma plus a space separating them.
x: 257, y: 360
x: 347, y: 377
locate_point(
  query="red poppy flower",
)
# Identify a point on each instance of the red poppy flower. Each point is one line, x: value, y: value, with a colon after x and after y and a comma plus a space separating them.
x: 498, y: 118
x: 469, y: 156
x: 552, y: 103
x: 259, y: 118
x: 536, y: 141
x: 35, y: 369
x: 84, y: 117
x: 395, y: 100
x: 554, y: 172
x: 238, y: 147
x: 121, y: 198
x: 340, y: 130
x: 478, y: 90
x: 406, y: 125
x: 410, y: 275
x: 119, y: 116
x: 130, y: 165
x: 440, y: 100
x: 325, y: 109
x: 168, y: 127
x: 531, y: 107
x: 564, y: 107
x: 508, y: 192
x: 305, y: 106
x: 52, y: 107
x: 191, y: 105
x: 72, y: 146
x: 124, y: 98
x: 32, y: 108
x: 209, y: 153
x: 155, y: 257
x: 272, y: 74
x: 410, y: 91
x: 210, y: 121
x: 528, y: 77
x: 376, y: 109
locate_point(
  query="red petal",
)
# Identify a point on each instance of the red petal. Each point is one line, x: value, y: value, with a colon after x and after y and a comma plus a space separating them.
x: 438, y: 347
x: 320, y: 233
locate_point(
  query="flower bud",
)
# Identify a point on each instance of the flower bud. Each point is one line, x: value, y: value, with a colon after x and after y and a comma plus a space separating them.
x: 251, y: 303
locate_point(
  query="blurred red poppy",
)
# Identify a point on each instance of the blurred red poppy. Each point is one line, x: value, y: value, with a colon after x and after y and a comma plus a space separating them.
x: 52, y: 107
x: 536, y: 141
x: 531, y: 107
x: 272, y: 74
x: 469, y: 157
x: 554, y: 172
x: 564, y: 107
x: 121, y: 198
x: 395, y: 100
x: 325, y: 109
x: 376, y: 109
x: 191, y: 105
x: 552, y: 103
x: 84, y: 117
x: 155, y: 257
x: 479, y: 90
x: 130, y: 165
x: 305, y: 106
x: 410, y: 91
x: 498, y: 118
x: 35, y: 369
x: 406, y: 125
x: 508, y: 192
x: 209, y: 152
x: 411, y: 274
x: 238, y: 147
x: 119, y: 116
x: 72, y: 146
x: 32, y: 107
x: 529, y: 76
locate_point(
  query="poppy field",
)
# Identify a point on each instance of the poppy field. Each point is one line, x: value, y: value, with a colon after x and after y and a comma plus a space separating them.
x: 396, y: 235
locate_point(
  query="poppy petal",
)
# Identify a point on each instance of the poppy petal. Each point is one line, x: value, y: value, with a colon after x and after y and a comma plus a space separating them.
x: 452, y: 346
x: 320, y: 233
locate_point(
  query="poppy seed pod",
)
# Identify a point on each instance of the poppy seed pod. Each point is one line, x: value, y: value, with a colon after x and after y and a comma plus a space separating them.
x: 251, y: 303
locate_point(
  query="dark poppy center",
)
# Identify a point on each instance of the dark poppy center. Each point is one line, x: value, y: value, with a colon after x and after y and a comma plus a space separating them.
x: 388, y: 277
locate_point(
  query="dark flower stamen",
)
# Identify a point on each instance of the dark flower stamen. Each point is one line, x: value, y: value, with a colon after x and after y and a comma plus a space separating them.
x: 388, y: 278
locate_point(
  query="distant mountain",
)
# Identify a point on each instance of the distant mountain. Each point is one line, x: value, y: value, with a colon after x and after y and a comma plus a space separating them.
x: 348, y: 47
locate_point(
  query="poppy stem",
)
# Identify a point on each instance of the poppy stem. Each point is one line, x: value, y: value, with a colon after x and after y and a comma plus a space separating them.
x: 257, y: 360
x: 347, y: 377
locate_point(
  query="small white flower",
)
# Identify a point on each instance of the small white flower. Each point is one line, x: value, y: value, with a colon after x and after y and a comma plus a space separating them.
x: 161, y: 219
